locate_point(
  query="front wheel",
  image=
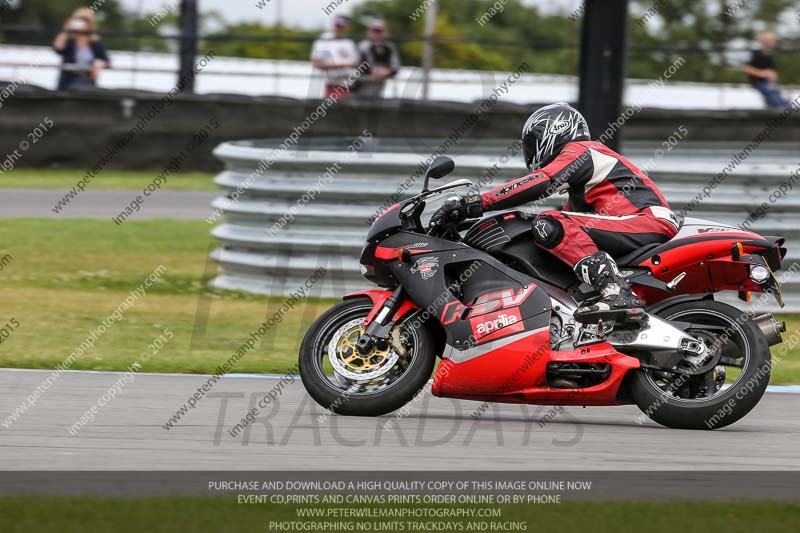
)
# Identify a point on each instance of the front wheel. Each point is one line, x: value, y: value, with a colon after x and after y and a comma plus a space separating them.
x: 346, y: 382
x: 738, y: 363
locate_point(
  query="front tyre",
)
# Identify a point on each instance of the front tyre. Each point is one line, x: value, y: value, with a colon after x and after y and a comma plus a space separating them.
x: 342, y: 380
x: 739, y: 362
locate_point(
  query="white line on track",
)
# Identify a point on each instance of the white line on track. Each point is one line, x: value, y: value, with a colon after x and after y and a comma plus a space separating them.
x: 793, y: 389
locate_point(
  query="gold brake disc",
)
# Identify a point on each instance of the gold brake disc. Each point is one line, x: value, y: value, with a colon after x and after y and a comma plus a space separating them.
x: 350, y: 363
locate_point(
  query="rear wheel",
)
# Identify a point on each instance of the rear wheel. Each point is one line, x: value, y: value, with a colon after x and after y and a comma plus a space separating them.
x: 346, y: 382
x: 718, y: 389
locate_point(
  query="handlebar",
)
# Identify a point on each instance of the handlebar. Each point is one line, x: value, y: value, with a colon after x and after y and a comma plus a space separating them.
x: 451, y: 230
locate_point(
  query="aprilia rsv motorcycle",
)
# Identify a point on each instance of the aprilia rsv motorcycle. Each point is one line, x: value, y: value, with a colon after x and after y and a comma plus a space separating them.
x: 498, y: 313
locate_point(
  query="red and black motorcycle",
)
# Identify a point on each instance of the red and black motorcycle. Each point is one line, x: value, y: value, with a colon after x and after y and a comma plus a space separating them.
x: 498, y: 313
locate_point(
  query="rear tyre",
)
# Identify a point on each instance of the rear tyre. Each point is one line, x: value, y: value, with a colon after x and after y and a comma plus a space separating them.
x: 347, y: 383
x: 701, y: 401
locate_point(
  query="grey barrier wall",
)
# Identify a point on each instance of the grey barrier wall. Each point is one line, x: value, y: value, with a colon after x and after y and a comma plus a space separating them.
x: 312, y: 209
x: 87, y: 123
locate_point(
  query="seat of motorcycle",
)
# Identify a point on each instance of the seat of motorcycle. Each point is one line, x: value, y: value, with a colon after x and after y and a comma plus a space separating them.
x: 637, y: 256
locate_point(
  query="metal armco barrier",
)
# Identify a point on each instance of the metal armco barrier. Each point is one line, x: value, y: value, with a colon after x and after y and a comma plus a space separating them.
x: 289, y: 222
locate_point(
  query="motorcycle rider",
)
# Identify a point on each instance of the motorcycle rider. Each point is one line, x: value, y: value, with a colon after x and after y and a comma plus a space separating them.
x: 612, y: 208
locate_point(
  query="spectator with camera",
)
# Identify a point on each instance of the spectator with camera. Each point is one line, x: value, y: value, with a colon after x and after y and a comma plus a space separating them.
x: 83, y: 54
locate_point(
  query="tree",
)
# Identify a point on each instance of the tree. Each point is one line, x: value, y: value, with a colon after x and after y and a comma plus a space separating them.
x: 278, y: 42
x: 517, y: 33
x: 708, y: 28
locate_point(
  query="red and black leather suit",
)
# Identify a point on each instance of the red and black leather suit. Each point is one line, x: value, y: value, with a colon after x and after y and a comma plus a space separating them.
x: 612, y: 205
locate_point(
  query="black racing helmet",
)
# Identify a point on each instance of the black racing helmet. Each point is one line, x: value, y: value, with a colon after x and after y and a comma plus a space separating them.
x: 548, y: 129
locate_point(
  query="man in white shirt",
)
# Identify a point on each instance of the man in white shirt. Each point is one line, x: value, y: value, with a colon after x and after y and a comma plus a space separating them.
x: 336, y: 56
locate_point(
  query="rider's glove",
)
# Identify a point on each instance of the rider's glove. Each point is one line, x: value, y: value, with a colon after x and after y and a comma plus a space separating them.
x: 457, y: 210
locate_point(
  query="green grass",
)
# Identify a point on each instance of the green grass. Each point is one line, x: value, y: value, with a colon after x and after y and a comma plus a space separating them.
x: 118, y: 515
x: 64, y: 278
x: 108, y: 179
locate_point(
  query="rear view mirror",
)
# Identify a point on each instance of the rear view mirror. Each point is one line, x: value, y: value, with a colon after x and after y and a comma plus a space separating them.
x: 441, y: 167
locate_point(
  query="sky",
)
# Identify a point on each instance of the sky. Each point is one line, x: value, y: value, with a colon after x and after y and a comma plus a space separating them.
x: 306, y: 14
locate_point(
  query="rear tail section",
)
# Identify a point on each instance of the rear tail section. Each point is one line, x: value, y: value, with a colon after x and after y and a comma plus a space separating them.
x: 709, y: 257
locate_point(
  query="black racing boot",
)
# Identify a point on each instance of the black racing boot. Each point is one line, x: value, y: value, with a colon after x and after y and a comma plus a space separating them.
x: 617, y: 302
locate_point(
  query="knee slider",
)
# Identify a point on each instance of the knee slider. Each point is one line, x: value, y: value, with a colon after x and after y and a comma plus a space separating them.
x: 547, y: 231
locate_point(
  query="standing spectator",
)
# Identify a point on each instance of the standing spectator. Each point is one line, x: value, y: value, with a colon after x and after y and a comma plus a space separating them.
x: 82, y: 53
x: 336, y: 56
x: 763, y: 71
x: 382, y: 59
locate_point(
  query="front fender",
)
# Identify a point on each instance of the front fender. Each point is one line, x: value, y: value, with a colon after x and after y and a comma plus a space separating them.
x: 378, y: 298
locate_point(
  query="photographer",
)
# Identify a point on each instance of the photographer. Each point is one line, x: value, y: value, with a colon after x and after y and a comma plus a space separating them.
x: 83, y: 55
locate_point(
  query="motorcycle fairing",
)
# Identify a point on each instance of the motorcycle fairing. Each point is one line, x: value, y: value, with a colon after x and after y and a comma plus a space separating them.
x: 515, y: 372
x: 497, y: 326
x: 704, y: 251
x: 475, y: 297
x: 508, y: 236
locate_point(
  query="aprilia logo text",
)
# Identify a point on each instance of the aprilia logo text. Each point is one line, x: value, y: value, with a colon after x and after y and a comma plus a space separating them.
x: 492, y: 325
x: 497, y: 324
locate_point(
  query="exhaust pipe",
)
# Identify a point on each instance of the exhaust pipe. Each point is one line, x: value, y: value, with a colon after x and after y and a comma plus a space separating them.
x: 770, y: 328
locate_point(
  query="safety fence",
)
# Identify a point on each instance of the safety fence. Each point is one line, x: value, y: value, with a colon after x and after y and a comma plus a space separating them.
x: 286, y: 213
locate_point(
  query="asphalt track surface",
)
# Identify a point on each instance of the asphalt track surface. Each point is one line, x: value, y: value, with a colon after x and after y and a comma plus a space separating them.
x: 437, y: 434
x: 183, y: 205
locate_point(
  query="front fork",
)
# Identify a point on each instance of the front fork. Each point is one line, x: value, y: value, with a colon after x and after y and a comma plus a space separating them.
x: 378, y: 331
